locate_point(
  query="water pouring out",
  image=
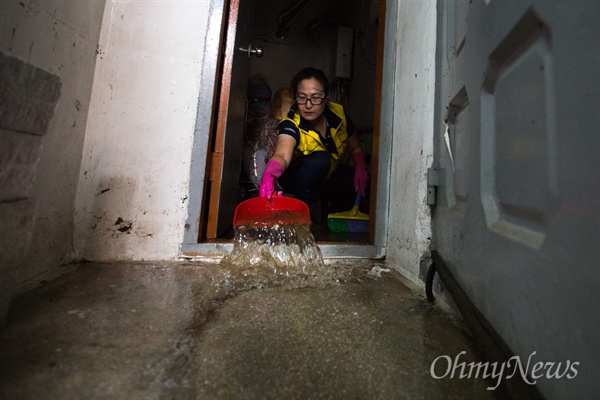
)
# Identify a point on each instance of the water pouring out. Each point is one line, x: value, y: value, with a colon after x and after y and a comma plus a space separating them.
x: 273, y: 246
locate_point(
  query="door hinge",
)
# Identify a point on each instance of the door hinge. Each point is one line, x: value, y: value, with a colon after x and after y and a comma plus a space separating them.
x: 433, y: 181
x: 216, y: 165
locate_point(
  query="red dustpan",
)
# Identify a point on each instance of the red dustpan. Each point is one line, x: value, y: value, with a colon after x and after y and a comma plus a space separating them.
x: 279, y: 210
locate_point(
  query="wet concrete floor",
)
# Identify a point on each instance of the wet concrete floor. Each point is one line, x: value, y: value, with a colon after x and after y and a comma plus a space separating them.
x: 163, y: 331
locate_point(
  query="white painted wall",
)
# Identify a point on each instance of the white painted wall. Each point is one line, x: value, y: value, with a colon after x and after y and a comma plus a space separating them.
x: 409, y: 226
x: 60, y: 37
x: 135, y: 173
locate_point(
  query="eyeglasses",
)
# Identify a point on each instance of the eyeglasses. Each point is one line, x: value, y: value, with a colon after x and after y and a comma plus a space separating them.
x: 315, y: 101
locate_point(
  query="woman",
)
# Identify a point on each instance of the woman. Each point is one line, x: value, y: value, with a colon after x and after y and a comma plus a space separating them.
x: 311, y: 143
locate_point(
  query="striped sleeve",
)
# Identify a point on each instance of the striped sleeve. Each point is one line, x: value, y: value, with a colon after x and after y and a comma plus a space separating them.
x: 287, y: 127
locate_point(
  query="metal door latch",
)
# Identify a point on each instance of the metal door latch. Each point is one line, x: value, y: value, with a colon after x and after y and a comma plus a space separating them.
x: 433, y: 181
x: 257, y: 51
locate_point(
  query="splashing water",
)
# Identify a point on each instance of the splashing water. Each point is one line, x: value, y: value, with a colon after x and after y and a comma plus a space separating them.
x: 284, y: 255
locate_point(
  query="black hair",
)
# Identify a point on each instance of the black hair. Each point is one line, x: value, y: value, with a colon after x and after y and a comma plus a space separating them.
x: 308, y: 73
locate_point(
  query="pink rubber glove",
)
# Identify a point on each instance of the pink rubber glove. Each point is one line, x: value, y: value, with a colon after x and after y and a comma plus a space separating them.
x: 267, y: 184
x: 361, y: 176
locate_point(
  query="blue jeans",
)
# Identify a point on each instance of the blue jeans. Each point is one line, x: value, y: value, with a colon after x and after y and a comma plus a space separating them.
x: 305, y: 178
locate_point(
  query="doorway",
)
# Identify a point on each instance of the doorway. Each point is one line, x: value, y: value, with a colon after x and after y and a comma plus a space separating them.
x: 339, y: 37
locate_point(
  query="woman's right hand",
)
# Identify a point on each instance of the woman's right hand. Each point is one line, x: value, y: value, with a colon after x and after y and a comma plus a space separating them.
x: 272, y: 172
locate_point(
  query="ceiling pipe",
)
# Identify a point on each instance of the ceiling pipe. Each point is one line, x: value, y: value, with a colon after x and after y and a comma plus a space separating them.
x: 287, y: 16
x: 316, y: 23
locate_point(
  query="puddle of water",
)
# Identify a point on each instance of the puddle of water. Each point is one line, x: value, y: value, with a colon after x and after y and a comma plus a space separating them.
x: 283, y: 255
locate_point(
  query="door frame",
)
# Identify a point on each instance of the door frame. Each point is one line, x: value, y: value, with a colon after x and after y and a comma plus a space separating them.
x: 193, y: 245
x: 219, y: 180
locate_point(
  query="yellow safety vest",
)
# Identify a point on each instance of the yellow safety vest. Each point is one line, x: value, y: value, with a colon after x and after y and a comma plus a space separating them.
x: 309, y: 140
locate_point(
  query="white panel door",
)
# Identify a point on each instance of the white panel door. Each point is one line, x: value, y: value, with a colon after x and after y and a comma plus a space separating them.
x: 517, y: 148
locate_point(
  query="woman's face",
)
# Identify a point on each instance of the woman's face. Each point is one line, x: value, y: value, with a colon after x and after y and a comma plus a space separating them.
x: 310, y: 89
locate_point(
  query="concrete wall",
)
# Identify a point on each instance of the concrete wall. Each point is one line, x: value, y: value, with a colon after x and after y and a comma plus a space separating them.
x: 412, y: 142
x: 135, y: 173
x: 53, y: 46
